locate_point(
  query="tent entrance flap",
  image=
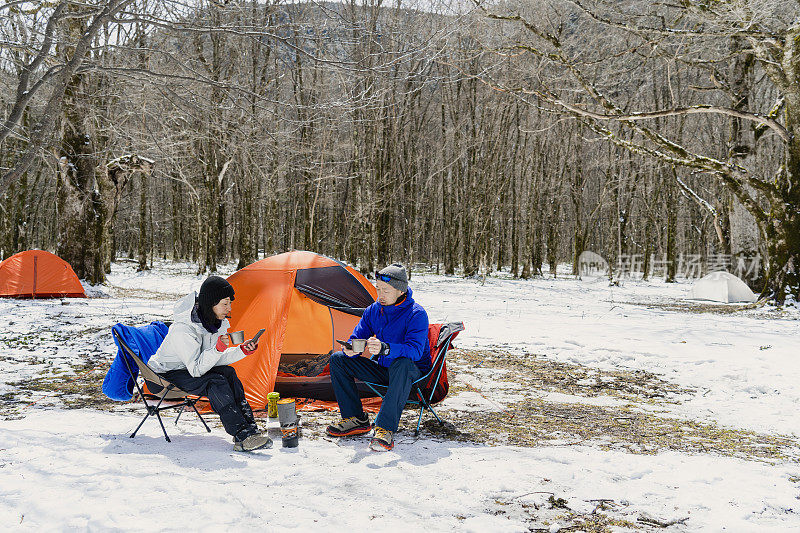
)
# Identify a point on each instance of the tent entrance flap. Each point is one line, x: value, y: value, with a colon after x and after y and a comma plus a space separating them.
x: 333, y: 286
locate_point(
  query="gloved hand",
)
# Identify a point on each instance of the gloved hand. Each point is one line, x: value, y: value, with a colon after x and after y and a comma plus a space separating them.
x: 248, y: 347
x: 221, y: 344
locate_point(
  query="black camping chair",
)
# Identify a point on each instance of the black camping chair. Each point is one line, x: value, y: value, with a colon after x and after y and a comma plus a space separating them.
x: 156, y: 384
x: 423, y: 389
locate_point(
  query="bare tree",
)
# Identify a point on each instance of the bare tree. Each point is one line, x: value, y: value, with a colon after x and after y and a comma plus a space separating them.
x: 687, y: 36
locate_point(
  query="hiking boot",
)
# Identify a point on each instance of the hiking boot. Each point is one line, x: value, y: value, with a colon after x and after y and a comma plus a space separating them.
x: 348, y: 427
x: 382, y: 440
x: 254, y: 442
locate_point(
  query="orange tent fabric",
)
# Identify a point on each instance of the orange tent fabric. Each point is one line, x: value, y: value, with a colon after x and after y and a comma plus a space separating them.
x: 302, y: 300
x: 38, y: 274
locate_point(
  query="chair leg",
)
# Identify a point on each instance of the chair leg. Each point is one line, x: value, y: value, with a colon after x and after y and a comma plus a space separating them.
x: 424, y: 404
x: 419, y: 420
x: 200, y: 417
x: 430, y: 408
x: 179, y: 416
x: 158, y: 415
x: 140, y: 424
x: 150, y: 411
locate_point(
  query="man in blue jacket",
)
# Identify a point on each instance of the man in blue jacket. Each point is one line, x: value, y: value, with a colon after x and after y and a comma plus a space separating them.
x: 397, y: 354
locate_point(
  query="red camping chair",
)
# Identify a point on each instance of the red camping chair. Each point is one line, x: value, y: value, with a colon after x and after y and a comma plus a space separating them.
x: 431, y: 388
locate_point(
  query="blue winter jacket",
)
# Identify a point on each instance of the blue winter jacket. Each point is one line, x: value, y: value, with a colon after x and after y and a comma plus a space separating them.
x: 144, y: 341
x: 403, y: 326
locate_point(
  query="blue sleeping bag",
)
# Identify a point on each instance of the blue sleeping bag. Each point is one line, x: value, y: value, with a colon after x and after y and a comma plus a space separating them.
x: 144, y: 341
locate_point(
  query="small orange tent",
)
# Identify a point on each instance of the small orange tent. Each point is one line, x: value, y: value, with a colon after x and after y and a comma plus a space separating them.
x: 38, y: 274
x: 305, y: 301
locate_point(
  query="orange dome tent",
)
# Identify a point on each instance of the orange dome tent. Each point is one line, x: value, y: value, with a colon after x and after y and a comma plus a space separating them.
x: 305, y: 301
x: 38, y: 274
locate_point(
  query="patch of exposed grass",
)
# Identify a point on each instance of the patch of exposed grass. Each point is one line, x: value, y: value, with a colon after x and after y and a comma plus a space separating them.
x: 540, y: 515
x: 30, y: 341
x: 77, y: 388
x: 145, y: 294
x: 532, y: 371
x: 47, y: 338
x: 706, y: 307
x: 536, y: 422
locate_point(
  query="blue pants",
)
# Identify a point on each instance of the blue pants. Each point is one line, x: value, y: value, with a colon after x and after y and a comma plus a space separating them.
x: 398, y: 377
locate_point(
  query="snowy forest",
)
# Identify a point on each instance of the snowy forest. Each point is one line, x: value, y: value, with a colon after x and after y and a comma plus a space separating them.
x: 468, y: 137
x: 409, y: 265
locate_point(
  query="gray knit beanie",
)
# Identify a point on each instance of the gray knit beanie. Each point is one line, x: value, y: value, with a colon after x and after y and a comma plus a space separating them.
x: 396, y: 276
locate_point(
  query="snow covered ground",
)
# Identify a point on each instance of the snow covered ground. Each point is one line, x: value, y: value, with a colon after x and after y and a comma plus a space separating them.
x: 745, y: 365
x: 74, y: 468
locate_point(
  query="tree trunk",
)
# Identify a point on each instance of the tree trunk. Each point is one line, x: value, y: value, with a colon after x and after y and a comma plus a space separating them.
x: 552, y: 245
x: 514, y: 231
x: 177, y: 223
x: 782, y: 235
x: 80, y: 205
x: 246, y: 229
x: 672, y: 228
x: 781, y: 228
x: 20, y: 215
x: 143, y: 237
x: 207, y: 216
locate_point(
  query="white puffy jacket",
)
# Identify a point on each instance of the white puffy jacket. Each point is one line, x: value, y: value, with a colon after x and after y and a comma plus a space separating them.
x: 191, y: 346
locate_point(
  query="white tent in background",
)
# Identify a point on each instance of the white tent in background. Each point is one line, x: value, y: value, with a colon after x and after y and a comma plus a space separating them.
x: 722, y: 287
x: 592, y: 264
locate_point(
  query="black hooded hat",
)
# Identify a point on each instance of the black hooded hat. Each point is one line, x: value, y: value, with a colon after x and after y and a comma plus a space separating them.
x: 213, y: 289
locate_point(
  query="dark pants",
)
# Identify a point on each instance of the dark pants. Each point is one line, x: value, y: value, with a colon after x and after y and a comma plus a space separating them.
x: 399, y: 377
x: 224, y: 391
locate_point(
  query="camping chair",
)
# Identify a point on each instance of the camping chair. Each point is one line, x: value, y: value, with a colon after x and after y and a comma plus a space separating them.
x: 156, y: 384
x: 424, y: 389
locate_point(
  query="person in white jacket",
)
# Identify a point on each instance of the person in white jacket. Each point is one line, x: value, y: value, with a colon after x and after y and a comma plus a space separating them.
x: 194, y: 356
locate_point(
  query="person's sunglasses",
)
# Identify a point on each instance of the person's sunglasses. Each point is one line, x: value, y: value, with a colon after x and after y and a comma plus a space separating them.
x: 384, y: 277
